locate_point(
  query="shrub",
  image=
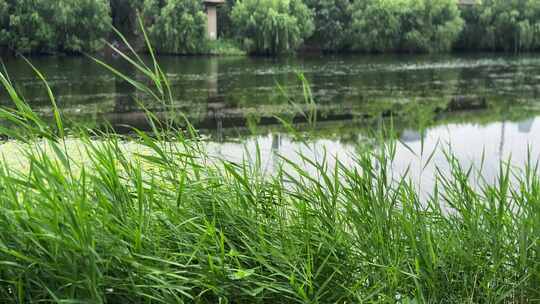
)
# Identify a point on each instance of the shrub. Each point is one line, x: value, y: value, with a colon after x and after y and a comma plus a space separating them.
x: 272, y: 26
x: 224, y: 48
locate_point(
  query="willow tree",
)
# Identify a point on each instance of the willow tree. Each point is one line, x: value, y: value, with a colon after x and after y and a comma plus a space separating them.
x: 502, y: 25
x: 333, y: 20
x: 377, y: 25
x: 27, y: 26
x: 124, y: 16
x: 272, y: 26
x: 176, y: 26
x: 49, y: 26
x: 406, y: 25
x: 510, y: 25
x: 81, y: 25
x: 431, y: 25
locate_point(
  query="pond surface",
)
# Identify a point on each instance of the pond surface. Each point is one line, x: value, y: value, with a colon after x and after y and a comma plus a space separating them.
x: 482, y: 106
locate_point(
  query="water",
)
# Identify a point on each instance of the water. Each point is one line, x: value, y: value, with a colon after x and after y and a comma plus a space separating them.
x: 483, y: 107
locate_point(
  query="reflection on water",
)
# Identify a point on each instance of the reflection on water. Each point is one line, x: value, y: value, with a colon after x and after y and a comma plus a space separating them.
x: 410, y: 136
x: 243, y: 84
x: 526, y: 125
x: 474, y: 104
x: 473, y: 144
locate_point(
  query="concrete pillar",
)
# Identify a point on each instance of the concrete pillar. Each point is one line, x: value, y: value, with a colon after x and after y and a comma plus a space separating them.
x: 211, y: 14
x: 212, y: 77
x: 211, y: 11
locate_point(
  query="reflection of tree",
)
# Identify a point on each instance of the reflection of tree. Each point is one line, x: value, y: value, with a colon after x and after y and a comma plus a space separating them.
x: 276, y: 145
x: 525, y: 126
x: 215, y: 102
x: 125, y: 92
x: 217, y: 114
x: 501, y: 144
x: 212, y: 77
x: 410, y: 136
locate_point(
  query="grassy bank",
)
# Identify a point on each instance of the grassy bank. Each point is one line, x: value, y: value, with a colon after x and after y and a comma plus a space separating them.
x: 224, y: 48
x: 167, y: 223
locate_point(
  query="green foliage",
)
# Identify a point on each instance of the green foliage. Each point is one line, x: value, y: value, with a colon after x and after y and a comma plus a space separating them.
x: 507, y: 25
x: 333, y: 21
x: 124, y: 16
x: 432, y: 25
x: 225, y: 23
x: 224, y: 48
x: 28, y: 26
x: 472, y: 34
x: 176, y: 26
x: 377, y: 25
x: 4, y: 20
x: 81, y: 24
x: 50, y: 25
x: 272, y: 26
x: 406, y: 25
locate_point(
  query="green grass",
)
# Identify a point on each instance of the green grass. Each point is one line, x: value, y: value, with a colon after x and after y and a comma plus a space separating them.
x: 224, y: 48
x: 170, y: 224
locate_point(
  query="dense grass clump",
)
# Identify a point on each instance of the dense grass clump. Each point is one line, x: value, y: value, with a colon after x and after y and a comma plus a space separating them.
x: 167, y: 223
